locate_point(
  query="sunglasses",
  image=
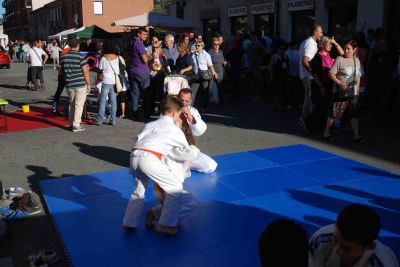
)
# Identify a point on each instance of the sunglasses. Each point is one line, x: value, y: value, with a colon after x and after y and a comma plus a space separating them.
x: 215, y: 44
x: 197, y: 45
x: 156, y: 47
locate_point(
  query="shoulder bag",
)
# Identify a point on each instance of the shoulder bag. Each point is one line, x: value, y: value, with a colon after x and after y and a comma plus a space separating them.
x: 118, y: 83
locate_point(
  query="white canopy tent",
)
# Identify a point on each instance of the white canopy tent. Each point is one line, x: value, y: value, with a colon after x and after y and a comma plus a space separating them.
x: 64, y: 34
x: 3, y: 40
x: 157, y: 20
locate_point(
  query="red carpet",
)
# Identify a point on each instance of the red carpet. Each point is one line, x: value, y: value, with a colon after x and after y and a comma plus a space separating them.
x: 37, y: 118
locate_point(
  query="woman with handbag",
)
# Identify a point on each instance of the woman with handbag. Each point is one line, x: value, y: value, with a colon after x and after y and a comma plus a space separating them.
x: 109, y: 65
x: 321, y: 85
x: 345, y: 74
x: 204, y: 70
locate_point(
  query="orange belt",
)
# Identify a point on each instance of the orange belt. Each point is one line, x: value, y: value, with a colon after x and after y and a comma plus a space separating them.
x: 158, y: 155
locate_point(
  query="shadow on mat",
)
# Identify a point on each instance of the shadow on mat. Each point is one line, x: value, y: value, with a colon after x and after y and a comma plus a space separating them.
x: 375, y: 172
x: 109, y: 154
x: 40, y: 174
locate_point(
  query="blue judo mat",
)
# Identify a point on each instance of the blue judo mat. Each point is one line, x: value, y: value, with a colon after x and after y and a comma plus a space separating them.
x: 230, y: 208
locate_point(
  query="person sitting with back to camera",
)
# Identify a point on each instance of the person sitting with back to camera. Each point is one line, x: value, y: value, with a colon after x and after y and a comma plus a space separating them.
x: 351, y: 241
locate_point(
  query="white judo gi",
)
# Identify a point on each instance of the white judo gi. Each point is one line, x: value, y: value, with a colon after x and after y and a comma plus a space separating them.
x: 161, y: 136
x: 180, y: 166
x: 322, y: 252
x: 202, y: 163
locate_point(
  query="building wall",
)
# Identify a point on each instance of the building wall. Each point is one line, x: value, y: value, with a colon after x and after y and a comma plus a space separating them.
x: 47, y: 20
x: 36, y: 4
x: 113, y: 10
x: 1, y: 28
x: 370, y: 12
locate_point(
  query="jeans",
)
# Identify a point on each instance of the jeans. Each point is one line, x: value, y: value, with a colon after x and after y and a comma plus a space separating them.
x: 139, y: 83
x: 307, y: 105
x: 201, y: 94
x: 107, y: 90
x: 37, y: 73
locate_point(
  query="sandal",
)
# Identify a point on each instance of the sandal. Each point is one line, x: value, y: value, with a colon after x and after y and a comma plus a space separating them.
x: 359, y: 140
x: 329, y: 138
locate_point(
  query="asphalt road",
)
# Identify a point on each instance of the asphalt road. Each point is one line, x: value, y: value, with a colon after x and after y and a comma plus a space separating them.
x: 31, y: 156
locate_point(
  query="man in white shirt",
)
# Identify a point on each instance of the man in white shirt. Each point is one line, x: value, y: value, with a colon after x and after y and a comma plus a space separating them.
x: 25, y: 49
x: 155, y: 141
x: 35, y: 57
x: 202, y: 163
x: 351, y: 242
x: 308, y: 49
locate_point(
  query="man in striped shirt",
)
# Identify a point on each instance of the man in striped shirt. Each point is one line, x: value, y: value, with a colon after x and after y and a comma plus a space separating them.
x: 77, y: 81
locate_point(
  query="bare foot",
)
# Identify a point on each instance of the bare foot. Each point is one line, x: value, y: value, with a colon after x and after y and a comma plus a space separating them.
x: 168, y: 230
x: 149, y: 219
x: 128, y: 228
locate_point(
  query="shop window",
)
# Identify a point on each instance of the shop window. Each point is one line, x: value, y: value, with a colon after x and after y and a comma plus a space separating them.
x: 301, y: 24
x: 211, y: 28
x: 264, y: 23
x: 342, y: 22
x: 238, y: 25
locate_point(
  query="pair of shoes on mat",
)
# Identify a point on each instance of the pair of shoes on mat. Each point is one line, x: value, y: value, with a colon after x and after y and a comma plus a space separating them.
x: 43, y: 258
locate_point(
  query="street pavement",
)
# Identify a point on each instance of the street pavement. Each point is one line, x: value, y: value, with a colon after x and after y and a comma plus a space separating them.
x: 29, y: 157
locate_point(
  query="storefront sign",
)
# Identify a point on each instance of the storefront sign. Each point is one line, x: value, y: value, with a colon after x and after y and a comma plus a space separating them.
x: 296, y: 5
x: 168, y: 2
x: 263, y: 8
x: 237, y: 11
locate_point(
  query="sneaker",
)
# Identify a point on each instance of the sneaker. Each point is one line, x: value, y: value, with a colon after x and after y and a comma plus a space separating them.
x: 38, y: 263
x: 9, y: 214
x: 16, y: 191
x: 78, y: 129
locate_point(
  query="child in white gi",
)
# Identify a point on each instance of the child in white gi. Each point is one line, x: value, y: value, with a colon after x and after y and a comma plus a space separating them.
x: 181, y: 168
x: 351, y: 242
x: 155, y: 141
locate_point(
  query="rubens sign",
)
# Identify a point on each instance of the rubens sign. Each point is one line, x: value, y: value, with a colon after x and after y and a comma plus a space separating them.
x: 296, y: 5
x: 263, y: 8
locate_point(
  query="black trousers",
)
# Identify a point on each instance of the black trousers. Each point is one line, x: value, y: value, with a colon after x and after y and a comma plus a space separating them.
x: 60, y: 88
x: 37, y: 74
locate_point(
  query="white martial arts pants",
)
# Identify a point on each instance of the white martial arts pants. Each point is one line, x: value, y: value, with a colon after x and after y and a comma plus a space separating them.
x: 189, y: 203
x: 204, y: 163
x: 145, y: 166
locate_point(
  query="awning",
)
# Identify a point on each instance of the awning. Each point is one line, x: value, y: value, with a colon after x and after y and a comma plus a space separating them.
x: 157, y: 20
x: 94, y: 32
x: 65, y: 33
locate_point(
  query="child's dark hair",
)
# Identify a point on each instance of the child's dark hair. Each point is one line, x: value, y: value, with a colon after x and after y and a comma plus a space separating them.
x: 170, y: 104
x: 283, y: 243
x: 360, y: 223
